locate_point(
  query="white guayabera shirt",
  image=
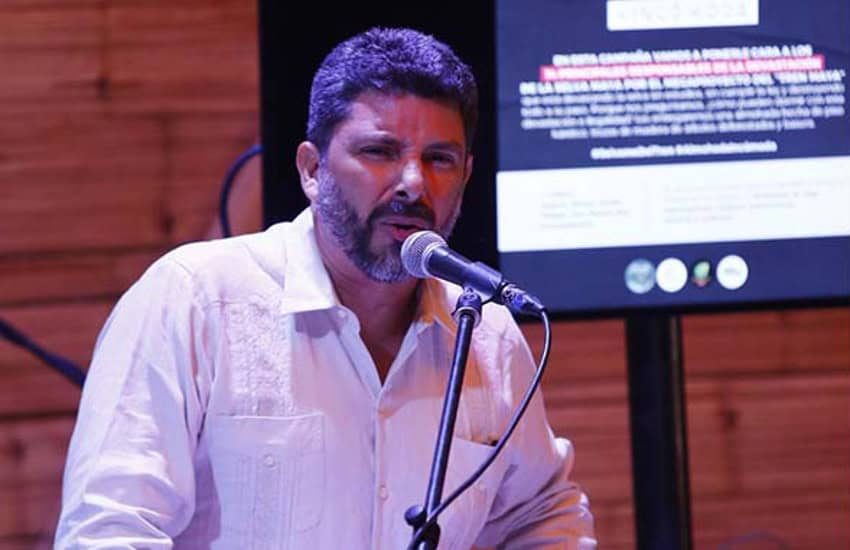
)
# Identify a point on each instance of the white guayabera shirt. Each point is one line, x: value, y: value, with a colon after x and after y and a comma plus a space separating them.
x: 232, y: 404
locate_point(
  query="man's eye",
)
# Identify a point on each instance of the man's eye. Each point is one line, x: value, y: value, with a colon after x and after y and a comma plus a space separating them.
x: 378, y: 152
x: 443, y: 159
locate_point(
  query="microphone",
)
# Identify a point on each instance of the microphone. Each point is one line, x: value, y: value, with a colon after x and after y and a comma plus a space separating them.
x: 426, y: 254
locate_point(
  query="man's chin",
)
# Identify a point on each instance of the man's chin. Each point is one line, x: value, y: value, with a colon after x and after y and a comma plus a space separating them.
x: 385, y: 269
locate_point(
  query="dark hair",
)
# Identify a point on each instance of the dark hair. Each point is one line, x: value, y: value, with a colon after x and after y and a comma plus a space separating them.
x: 388, y: 61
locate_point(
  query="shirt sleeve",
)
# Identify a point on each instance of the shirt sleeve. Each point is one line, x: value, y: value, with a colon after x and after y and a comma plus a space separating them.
x: 129, y: 480
x: 537, y: 505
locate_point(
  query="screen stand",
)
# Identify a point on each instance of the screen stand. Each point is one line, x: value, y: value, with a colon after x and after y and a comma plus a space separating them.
x: 659, y: 432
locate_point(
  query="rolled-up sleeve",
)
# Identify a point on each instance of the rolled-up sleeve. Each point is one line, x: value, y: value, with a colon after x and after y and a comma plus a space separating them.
x: 129, y: 480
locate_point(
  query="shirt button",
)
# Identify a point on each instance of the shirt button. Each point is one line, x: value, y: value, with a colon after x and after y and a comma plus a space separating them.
x: 383, y: 493
x: 269, y: 461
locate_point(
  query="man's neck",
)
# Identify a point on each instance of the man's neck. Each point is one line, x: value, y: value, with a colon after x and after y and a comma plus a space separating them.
x: 384, y: 310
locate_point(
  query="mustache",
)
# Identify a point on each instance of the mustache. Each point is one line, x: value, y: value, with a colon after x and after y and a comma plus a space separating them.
x: 400, y: 208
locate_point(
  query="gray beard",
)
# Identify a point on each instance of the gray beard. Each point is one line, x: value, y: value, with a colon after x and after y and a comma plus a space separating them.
x: 354, y: 236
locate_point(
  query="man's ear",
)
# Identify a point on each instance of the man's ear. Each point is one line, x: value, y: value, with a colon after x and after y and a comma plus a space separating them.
x: 467, y: 169
x: 307, y: 162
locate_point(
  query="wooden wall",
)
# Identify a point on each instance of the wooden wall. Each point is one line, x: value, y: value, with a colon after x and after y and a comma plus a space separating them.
x: 118, y: 119
x: 768, y: 405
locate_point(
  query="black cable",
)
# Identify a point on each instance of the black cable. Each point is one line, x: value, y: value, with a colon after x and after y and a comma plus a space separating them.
x: 227, y: 184
x: 526, y: 400
x: 65, y: 367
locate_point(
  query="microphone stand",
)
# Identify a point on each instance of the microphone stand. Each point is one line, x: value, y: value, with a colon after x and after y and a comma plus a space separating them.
x: 467, y: 314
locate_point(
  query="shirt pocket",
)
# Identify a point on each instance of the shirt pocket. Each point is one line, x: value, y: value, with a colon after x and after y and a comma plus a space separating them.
x: 464, y: 519
x: 269, y: 476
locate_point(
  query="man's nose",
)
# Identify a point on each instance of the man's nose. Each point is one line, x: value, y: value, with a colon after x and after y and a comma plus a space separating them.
x: 411, y: 184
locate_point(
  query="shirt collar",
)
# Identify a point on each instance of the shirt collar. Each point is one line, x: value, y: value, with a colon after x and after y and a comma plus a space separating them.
x: 436, y: 304
x: 308, y: 287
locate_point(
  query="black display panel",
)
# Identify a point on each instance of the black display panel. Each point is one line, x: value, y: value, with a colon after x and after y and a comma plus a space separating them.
x: 674, y: 154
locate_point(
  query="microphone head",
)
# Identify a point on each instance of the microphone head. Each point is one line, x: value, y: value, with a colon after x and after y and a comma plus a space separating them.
x: 416, y: 249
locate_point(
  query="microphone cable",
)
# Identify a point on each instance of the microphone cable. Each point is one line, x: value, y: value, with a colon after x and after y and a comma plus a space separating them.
x: 520, y: 410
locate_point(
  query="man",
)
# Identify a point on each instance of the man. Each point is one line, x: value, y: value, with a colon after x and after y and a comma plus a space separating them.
x: 283, y: 389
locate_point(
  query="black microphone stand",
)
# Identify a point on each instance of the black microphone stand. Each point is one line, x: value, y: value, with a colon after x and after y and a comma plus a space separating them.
x: 467, y: 314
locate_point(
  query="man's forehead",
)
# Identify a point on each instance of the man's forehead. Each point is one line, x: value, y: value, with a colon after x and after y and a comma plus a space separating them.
x: 383, y: 113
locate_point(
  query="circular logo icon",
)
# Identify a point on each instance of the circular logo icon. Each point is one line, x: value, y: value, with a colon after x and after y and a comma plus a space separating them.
x: 701, y: 273
x: 732, y: 272
x: 640, y: 276
x: 671, y: 275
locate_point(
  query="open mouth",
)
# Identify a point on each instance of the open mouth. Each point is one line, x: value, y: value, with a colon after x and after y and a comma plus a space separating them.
x: 406, y: 227
x: 400, y: 229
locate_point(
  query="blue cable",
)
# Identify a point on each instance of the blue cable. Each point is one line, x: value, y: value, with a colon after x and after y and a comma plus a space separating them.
x: 226, y: 186
x: 64, y: 366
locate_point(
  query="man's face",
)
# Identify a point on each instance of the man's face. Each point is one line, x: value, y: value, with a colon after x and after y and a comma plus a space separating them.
x: 396, y: 165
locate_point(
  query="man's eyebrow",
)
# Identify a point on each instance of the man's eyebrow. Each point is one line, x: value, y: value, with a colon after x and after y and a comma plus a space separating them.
x: 382, y: 138
x: 376, y: 137
x: 450, y: 145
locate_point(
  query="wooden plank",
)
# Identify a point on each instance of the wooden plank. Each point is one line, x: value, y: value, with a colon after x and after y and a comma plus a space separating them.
x: 53, y: 50
x: 603, y: 466
x: 115, y: 175
x: 245, y: 202
x: 33, y: 450
x: 184, y: 23
x: 30, y: 511
x: 32, y: 457
x: 81, y: 182
x: 129, y: 56
x: 766, y: 455
x: 202, y: 148
x: 777, y: 341
x: 28, y: 386
x: 69, y: 329
x: 803, y: 520
x: 152, y: 182
x: 763, y: 434
x: 81, y: 276
x: 50, y: 24
x: 739, y: 431
x: 202, y: 151
x: 197, y: 56
x: 581, y: 350
x: 767, y: 342
x: 38, y: 542
x: 594, y: 417
x: 34, y: 388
